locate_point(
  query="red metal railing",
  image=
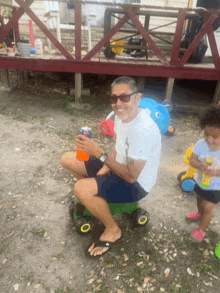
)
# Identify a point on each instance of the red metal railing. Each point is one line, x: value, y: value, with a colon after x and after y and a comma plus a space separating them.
x: 166, y: 67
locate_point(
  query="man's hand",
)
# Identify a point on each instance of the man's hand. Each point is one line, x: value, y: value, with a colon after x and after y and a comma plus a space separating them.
x: 104, y: 171
x: 87, y: 145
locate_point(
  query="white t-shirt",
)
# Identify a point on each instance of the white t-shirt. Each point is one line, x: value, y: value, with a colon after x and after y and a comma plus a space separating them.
x: 139, y: 139
x: 203, y: 152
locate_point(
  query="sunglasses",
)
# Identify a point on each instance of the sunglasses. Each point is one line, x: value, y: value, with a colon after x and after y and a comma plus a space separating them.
x: 125, y: 98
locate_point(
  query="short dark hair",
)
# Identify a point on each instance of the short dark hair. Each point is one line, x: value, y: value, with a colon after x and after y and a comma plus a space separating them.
x: 210, y: 117
x: 126, y: 80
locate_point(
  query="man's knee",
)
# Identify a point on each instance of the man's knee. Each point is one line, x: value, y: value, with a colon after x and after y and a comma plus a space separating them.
x: 85, y: 188
x: 65, y: 159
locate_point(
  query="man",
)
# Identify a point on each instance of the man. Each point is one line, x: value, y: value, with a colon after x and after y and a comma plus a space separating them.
x: 125, y: 175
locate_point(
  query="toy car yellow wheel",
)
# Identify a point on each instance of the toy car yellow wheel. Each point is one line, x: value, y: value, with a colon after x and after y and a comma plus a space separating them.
x: 141, y: 217
x: 180, y: 175
x: 84, y: 225
x: 170, y: 131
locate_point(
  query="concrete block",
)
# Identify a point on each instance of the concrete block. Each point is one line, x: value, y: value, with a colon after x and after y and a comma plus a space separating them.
x: 84, y: 92
x: 82, y: 106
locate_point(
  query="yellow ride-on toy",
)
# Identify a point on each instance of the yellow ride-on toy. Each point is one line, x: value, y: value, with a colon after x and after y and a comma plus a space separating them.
x: 186, y: 178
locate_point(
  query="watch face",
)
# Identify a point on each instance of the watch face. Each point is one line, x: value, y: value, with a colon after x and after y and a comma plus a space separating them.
x: 103, y: 158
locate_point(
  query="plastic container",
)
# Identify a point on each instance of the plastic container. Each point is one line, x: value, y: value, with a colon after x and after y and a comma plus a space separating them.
x: 39, y: 47
x: 24, y: 49
x: 81, y: 155
x: 217, y: 250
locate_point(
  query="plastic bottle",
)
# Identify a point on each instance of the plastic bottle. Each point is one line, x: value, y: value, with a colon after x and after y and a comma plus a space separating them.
x: 39, y: 47
x: 206, y: 180
x: 217, y: 250
x: 80, y: 155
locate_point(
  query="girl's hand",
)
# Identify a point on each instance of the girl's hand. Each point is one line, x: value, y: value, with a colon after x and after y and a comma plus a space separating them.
x: 104, y: 171
x: 203, y: 167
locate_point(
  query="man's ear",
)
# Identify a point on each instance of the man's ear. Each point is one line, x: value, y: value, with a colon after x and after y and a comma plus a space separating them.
x: 139, y: 97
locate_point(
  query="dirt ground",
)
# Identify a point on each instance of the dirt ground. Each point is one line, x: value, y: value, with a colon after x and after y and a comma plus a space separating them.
x: 40, y: 250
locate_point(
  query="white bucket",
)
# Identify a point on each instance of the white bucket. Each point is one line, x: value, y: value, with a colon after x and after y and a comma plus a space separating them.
x: 24, y: 49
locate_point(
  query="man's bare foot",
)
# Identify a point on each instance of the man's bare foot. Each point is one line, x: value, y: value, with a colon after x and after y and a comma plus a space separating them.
x: 109, y: 237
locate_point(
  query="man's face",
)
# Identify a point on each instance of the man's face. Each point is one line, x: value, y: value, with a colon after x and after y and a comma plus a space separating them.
x: 126, y: 111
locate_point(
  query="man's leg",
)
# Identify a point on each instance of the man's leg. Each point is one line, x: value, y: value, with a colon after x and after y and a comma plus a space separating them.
x: 86, y: 191
x: 76, y: 168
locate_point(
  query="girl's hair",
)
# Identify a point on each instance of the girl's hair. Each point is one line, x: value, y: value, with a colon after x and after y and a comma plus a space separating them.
x: 210, y: 117
x: 126, y: 80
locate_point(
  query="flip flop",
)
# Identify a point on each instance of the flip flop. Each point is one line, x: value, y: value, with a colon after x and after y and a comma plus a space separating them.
x: 101, y: 244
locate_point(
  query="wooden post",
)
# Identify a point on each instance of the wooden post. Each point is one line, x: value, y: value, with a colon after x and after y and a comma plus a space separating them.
x: 78, y: 79
x: 216, y: 98
x: 5, y: 78
x: 169, y: 88
x: 141, y: 81
x: 78, y: 76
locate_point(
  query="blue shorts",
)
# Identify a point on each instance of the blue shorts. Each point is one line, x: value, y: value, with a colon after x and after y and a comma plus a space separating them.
x: 113, y: 188
x: 209, y: 195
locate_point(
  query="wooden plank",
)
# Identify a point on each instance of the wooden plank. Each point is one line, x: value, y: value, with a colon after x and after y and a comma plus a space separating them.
x: 13, y: 21
x: 107, y: 37
x: 169, y: 88
x: 145, y: 35
x: 177, y: 38
x: 216, y: 99
x: 44, y: 29
x: 145, y: 69
x: 205, y: 29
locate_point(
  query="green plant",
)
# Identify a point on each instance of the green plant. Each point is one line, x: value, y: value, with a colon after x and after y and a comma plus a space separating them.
x: 60, y: 255
x: 4, y: 247
x: 39, y: 232
x: 204, y: 268
x: 30, y: 279
x: 21, y: 117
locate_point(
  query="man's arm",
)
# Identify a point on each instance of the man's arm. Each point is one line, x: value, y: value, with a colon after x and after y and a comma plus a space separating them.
x: 129, y: 172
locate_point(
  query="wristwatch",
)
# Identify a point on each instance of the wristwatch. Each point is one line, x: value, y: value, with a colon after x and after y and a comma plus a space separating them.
x: 103, y: 157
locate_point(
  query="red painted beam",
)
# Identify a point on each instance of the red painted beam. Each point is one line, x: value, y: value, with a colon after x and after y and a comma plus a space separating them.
x: 13, y: 21
x: 108, y: 36
x: 78, y: 41
x: 178, y: 37
x: 145, y: 35
x: 44, y: 29
x: 16, y: 28
x: 213, y: 45
x: 55, y: 65
x: 207, y: 27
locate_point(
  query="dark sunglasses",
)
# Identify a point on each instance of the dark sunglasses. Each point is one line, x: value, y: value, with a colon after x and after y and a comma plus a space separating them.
x: 123, y: 98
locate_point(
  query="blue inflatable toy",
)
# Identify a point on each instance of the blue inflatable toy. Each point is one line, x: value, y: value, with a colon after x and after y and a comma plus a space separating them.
x: 159, y: 113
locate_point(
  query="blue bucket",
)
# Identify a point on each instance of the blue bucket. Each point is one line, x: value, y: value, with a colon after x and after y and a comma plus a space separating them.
x: 158, y: 112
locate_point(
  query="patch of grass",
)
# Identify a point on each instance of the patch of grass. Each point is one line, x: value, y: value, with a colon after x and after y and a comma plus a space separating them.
x: 65, y: 290
x: 30, y: 279
x: 60, y: 255
x: 40, y: 168
x: 2, y: 110
x: 67, y: 107
x: 70, y: 134
x: 204, y: 268
x: 39, y: 232
x: 143, y: 271
x: 21, y: 117
x: 4, y: 247
x: 173, y: 289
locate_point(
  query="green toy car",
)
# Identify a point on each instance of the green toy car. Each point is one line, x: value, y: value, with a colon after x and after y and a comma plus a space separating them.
x: 83, y: 219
